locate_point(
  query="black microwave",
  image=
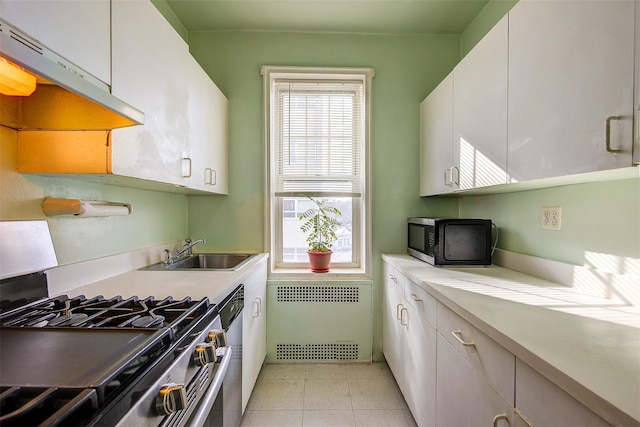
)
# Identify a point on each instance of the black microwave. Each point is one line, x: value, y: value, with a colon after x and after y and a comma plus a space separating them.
x: 450, y: 241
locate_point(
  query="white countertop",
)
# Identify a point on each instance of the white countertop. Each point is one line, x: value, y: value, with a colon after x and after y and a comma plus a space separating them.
x: 179, y: 284
x: 588, y: 346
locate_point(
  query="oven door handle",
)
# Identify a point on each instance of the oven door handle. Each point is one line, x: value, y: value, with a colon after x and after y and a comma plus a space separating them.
x: 207, y: 401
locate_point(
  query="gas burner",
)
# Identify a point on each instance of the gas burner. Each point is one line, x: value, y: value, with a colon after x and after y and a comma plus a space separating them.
x: 99, y: 312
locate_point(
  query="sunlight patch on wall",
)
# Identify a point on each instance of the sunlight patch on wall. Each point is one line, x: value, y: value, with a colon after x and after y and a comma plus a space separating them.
x: 477, y: 169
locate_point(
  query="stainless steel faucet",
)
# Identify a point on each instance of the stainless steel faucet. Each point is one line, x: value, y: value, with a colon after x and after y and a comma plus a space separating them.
x: 186, y: 251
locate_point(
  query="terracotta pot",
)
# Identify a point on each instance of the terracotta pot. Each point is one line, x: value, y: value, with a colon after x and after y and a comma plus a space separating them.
x: 319, y: 261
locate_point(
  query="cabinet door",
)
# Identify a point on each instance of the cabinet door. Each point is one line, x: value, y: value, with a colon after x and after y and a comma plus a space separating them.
x: 490, y: 360
x: 392, y: 330
x: 208, y: 133
x: 543, y: 403
x: 480, y: 111
x: 436, y: 135
x: 254, y: 333
x: 464, y: 398
x: 150, y: 71
x: 570, y: 73
x: 420, y: 366
x: 79, y: 31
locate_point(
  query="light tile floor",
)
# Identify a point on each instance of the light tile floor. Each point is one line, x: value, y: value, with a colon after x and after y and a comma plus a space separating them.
x: 326, y: 395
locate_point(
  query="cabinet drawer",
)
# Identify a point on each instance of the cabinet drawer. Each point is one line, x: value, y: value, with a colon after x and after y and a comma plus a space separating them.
x: 488, y: 358
x: 393, y: 279
x: 421, y: 300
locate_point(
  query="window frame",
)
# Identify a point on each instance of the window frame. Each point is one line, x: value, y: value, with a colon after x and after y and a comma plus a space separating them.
x: 361, y: 226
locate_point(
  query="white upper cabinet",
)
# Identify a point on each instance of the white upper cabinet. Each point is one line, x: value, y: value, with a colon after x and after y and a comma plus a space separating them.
x: 571, y: 66
x: 79, y: 31
x: 463, y: 122
x: 480, y: 112
x: 436, y: 139
x: 150, y: 73
x: 184, y: 139
x: 209, y: 125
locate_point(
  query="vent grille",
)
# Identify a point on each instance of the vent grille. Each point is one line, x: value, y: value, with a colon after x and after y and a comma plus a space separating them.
x: 311, y: 293
x: 334, y: 351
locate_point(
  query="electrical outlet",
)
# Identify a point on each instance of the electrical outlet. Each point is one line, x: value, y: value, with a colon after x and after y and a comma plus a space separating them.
x: 551, y: 218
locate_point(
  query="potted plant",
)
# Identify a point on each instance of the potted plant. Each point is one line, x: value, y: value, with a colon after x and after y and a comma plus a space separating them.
x: 320, y: 224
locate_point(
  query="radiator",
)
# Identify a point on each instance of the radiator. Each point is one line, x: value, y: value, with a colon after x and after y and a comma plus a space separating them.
x: 319, y: 321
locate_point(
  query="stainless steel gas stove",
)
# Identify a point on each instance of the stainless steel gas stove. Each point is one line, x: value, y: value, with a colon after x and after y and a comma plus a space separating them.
x: 89, y: 361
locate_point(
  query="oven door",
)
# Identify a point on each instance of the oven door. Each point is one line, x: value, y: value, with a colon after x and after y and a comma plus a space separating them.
x: 209, y: 410
x: 185, y: 393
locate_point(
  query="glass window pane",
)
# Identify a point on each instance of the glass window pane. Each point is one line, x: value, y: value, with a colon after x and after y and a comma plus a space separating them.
x: 294, y: 245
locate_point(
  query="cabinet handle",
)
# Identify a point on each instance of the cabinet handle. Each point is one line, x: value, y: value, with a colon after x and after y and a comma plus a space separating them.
x: 210, y: 176
x: 607, y: 133
x: 458, y: 335
x: 415, y: 297
x: 402, y: 322
x: 499, y: 417
x: 392, y: 277
x: 186, y: 167
x: 457, y: 180
x: 447, y: 177
x: 399, y: 312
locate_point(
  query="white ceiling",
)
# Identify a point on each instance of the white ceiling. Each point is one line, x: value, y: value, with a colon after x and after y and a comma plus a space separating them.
x: 334, y: 16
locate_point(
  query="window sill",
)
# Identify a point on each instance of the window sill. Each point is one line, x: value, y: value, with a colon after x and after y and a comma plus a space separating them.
x: 306, y: 274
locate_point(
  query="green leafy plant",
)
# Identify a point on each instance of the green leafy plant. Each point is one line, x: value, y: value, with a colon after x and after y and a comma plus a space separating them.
x: 320, y: 224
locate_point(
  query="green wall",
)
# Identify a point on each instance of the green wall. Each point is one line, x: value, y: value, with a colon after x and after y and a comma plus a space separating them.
x: 600, y: 222
x: 493, y: 11
x: 407, y: 69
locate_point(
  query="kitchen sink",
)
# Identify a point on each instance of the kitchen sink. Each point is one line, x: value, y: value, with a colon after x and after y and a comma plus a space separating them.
x: 204, y: 261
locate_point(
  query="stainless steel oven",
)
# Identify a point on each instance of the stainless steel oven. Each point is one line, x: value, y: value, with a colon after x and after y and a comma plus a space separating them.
x: 227, y: 409
x: 106, y: 361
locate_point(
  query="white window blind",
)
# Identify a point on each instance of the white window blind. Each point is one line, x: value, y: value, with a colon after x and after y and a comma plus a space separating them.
x: 318, y: 131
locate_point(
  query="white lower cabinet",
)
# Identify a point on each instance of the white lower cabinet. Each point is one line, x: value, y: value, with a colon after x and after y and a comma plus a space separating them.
x: 539, y: 402
x: 419, y: 356
x: 409, y: 344
x: 254, y: 328
x: 464, y: 397
x: 454, y: 374
x: 475, y: 380
x: 392, y: 331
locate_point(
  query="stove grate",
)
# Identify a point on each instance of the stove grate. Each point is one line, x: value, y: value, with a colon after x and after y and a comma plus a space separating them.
x: 45, y: 407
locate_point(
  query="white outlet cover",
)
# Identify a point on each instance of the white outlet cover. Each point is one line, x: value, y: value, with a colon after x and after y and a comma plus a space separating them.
x: 551, y: 218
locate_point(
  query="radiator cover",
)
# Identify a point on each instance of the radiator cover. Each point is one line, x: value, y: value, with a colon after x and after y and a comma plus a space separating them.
x: 319, y: 321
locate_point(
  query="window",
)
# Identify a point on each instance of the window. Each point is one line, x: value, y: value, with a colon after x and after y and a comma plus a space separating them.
x: 317, y: 126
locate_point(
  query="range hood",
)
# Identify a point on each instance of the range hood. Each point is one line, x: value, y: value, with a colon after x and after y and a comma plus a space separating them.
x: 66, y: 97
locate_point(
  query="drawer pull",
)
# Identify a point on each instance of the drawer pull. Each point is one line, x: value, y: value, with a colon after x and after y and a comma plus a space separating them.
x: 392, y: 277
x: 458, y: 336
x: 415, y: 297
x: 399, y: 312
x: 499, y: 417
